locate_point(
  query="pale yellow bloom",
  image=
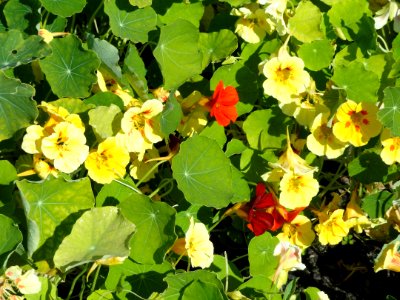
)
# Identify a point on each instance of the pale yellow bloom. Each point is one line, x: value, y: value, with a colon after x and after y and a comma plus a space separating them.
x: 354, y: 216
x: 390, y: 153
x: 389, y: 257
x: 332, y: 229
x: 322, y: 141
x: 275, y: 10
x: 66, y: 147
x: 356, y: 122
x: 13, y: 272
x: 286, y: 77
x: 29, y: 283
x: 298, y: 232
x: 108, y: 162
x: 297, y: 190
x: 290, y: 260
x: 31, y: 141
x: 43, y: 167
x: 59, y: 114
x: 141, y: 126
x: 140, y: 167
x: 194, y: 114
x: 198, y: 245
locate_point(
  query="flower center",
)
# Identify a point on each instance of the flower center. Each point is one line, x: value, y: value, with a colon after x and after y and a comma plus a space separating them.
x: 283, y: 74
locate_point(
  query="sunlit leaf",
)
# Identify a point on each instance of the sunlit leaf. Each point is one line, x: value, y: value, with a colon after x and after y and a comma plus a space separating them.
x: 261, y: 258
x: 101, y: 295
x: 155, y: 228
x: 114, y: 193
x: 216, y: 132
x: 171, y: 116
x: 317, y: 54
x: 141, y: 3
x: 91, y: 240
x: 16, y: 50
x: 105, y: 99
x: 105, y: 120
x: 377, y: 204
x: 7, y: 172
x: 17, y: 110
x: 128, y: 22
x: 73, y: 105
x: 203, y: 172
x: 360, y: 168
x: 10, y: 235
x: 191, y: 12
x: 47, y: 203
x: 177, y: 53
x: 389, y: 115
x: 70, y: 69
x: 135, y: 72
x: 64, y: 8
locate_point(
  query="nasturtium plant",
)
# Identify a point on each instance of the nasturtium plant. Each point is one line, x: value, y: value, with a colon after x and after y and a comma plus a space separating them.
x: 219, y: 149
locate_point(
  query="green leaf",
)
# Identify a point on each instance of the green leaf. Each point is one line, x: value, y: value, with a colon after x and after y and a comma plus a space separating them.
x: 312, y: 293
x: 101, y: 295
x: 216, y: 46
x: 114, y: 193
x: 237, y: 2
x: 141, y: 3
x: 64, y: 8
x: 377, y: 204
x: 10, y: 235
x: 178, y: 283
x: 359, y: 83
x: 47, y: 203
x: 108, y: 55
x: 241, y: 190
x: 7, y: 172
x: 243, y: 79
x: 317, y: 54
x: 91, y: 240
x: 155, y: 228
x: 171, y: 116
x: 203, y: 172
x: 261, y: 255
x: 191, y: 12
x: 105, y: 120
x: 22, y: 15
x: 73, y: 105
x: 266, y: 129
x: 177, y: 53
x: 105, y: 99
x: 70, y: 69
x: 56, y: 25
x: 260, y: 287
x: 139, y: 278
x: 198, y: 289
x: 396, y: 48
x: 16, y: 50
x: 234, y: 146
x: 360, y: 168
x: 389, y: 115
x: 127, y: 22
x: 305, y: 25
x: 216, y: 132
x: 226, y: 272
x: 135, y: 72
x: 17, y: 109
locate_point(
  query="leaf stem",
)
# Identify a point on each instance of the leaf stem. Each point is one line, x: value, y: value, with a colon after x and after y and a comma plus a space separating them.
x: 89, y: 24
x: 134, y: 188
x: 96, y: 275
x: 75, y: 281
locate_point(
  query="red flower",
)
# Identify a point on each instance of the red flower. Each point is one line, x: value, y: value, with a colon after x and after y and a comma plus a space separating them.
x: 266, y: 213
x: 222, y: 104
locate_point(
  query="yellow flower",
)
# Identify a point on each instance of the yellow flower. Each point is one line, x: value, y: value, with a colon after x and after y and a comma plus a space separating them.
x: 391, y: 148
x: 275, y: 10
x: 290, y: 260
x: 140, y: 167
x: 297, y: 190
x: 253, y: 23
x: 286, y: 77
x: 108, y: 162
x: 66, y: 147
x: 31, y: 141
x: 356, y: 123
x: 194, y: 114
x: 322, y: 141
x: 141, y: 126
x: 59, y: 114
x: 389, y: 257
x: 354, y: 215
x: 198, y: 245
x: 332, y: 229
x: 43, y: 167
x: 298, y: 232
x: 29, y: 283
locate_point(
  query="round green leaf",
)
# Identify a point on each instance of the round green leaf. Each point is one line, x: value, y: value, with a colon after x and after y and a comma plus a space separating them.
x: 135, y: 72
x: 22, y: 15
x: 198, y: 289
x: 141, y: 3
x: 16, y: 50
x: 177, y: 53
x: 70, y: 69
x: 73, y: 105
x: 139, y: 278
x: 114, y: 193
x: 10, y: 235
x: 360, y: 168
x: 17, y: 109
x: 261, y: 255
x: 376, y: 205
x: 64, y: 8
x: 47, y: 203
x: 389, y: 115
x: 105, y: 99
x: 359, y: 83
x: 128, y: 22
x: 155, y: 228
x: 266, y: 129
x: 317, y: 54
x: 105, y: 120
x: 203, y: 172
x: 171, y: 116
x: 305, y: 25
x: 101, y: 295
x: 216, y: 132
x: 192, y: 12
x: 91, y: 240
x: 7, y: 172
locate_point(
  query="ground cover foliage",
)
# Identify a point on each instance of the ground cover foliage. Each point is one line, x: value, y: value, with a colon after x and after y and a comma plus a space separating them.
x: 208, y: 149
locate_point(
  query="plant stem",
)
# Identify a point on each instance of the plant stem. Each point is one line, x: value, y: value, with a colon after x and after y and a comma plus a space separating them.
x: 75, y: 281
x: 89, y: 24
x: 96, y: 275
x: 161, y: 186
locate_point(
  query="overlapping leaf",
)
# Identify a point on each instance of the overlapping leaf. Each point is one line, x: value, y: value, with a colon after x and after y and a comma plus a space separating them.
x: 10, y: 235
x: 22, y: 15
x: 389, y: 115
x: 64, y: 8
x: 261, y: 258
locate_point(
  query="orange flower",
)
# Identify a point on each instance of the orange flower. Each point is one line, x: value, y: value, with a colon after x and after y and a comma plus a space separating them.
x: 222, y: 104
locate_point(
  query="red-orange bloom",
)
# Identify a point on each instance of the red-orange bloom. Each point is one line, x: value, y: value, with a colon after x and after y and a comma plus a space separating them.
x: 222, y: 104
x: 266, y: 213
